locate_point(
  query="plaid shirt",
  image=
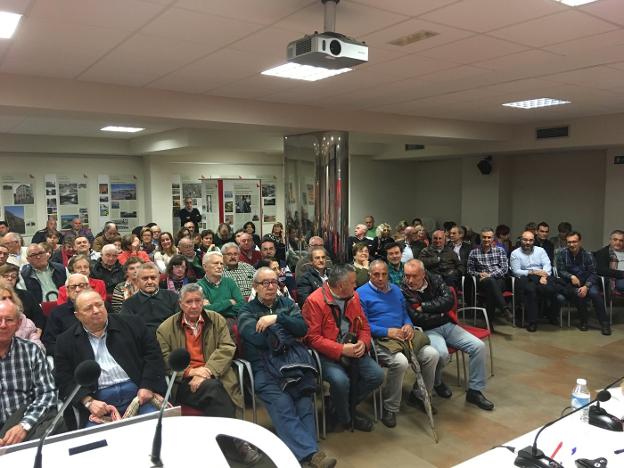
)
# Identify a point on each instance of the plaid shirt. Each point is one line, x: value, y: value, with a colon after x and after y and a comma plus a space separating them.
x: 396, y: 274
x: 582, y: 266
x: 494, y: 262
x: 25, y: 379
x: 242, y: 276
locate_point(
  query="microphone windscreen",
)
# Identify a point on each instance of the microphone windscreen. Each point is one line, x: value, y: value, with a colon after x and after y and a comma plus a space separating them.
x: 179, y: 359
x: 603, y: 395
x: 87, y: 373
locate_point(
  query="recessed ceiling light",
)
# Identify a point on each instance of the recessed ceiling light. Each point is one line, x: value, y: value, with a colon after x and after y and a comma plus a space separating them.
x: 574, y: 3
x: 8, y: 24
x: 116, y: 128
x: 296, y: 71
x: 535, y: 103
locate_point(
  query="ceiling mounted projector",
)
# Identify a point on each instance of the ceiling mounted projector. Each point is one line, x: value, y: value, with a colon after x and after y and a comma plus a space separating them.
x: 328, y: 49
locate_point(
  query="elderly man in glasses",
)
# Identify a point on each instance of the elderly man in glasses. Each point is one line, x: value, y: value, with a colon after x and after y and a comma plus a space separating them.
x: 41, y: 276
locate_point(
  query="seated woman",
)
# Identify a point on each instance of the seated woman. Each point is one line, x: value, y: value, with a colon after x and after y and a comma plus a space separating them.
x: 27, y: 329
x: 130, y: 247
x: 175, y: 275
x: 360, y: 262
x: 384, y: 237
x: 66, y: 251
x: 290, y: 407
x: 207, y: 242
x: 250, y: 228
x: 9, y: 275
x: 82, y: 264
x: 129, y: 287
x: 166, y: 250
x: 146, y: 244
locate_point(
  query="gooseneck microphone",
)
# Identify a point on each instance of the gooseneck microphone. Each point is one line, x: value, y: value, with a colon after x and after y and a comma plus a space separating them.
x: 179, y: 359
x: 532, y: 457
x: 599, y: 417
x: 86, y: 374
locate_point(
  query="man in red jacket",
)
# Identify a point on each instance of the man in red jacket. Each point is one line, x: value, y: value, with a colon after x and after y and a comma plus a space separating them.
x: 339, y: 332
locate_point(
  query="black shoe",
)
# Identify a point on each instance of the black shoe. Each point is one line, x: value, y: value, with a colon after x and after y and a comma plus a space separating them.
x: 388, y: 418
x: 532, y: 327
x: 362, y: 423
x: 416, y: 402
x: 249, y: 455
x: 443, y: 390
x: 476, y: 398
x: 605, y: 329
x: 583, y: 326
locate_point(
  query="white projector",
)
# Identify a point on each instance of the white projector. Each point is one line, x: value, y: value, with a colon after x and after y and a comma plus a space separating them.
x: 327, y: 50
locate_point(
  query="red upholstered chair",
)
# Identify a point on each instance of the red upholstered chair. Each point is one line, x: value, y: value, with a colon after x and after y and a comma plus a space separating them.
x: 47, y: 307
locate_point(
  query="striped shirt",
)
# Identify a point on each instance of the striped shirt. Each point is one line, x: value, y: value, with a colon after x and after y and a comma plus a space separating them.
x: 494, y: 262
x: 25, y: 379
x: 242, y: 276
x: 112, y: 372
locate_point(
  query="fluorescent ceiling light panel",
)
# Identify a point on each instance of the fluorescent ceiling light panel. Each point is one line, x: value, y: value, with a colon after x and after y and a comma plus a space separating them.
x: 116, y: 128
x: 574, y: 3
x: 535, y: 103
x: 8, y: 24
x: 296, y: 71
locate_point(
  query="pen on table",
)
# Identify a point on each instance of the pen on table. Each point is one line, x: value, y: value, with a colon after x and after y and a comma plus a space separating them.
x: 617, y: 452
x: 554, y: 454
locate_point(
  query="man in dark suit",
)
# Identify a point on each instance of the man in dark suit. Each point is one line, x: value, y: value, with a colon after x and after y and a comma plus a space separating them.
x: 127, y: 352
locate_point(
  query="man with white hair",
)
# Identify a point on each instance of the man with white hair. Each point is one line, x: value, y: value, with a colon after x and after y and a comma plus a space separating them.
x: 108, y: 269
x: 28, y: 398
x: 17, y: 253
x: 41, y: 276
x: 358, y: 237
x: 241, y: 272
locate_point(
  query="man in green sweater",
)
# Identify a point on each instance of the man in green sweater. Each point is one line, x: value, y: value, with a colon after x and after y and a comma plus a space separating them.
x: 221, y: 294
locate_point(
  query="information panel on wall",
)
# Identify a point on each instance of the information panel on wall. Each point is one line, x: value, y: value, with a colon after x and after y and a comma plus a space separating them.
x: 18, y: 202
x: 118, y: 201
x: 67, y: 198
x: 241, y: 202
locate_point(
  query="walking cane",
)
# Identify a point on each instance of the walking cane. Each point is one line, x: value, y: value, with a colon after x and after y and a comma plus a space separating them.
x: 421, y: 386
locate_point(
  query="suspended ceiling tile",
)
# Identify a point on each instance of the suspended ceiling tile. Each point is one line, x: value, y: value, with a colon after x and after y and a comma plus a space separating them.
x: 264, y: 11
x: 610, y: 10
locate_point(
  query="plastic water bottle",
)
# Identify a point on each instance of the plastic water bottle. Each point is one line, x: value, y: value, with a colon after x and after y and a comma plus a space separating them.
x: 580, y: 397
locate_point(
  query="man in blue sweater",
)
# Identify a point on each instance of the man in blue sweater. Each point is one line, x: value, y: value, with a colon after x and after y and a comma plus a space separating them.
x: 386, y: 311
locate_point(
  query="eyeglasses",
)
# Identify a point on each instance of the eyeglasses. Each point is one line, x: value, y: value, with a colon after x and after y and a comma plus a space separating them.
x: 38, y: 254
x: 10, y: 276
x: 267, y: 283
x: 74, y: 287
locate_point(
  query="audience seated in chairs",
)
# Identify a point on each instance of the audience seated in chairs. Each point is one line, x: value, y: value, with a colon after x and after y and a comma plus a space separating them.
x: 441, y: 259
x: 339, y: 332
x: 290, y: 407
x: 391, y: 327
x: 430, y: 303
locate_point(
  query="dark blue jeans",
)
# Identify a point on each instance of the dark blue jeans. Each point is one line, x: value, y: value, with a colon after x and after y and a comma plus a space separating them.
x: 293, y: 419
x: 370, y: 377
x: 120, y: 396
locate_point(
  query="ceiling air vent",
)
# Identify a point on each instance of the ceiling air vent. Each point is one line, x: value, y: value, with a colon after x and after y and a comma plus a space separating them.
x: 553, y: 132
x: 414, y: 37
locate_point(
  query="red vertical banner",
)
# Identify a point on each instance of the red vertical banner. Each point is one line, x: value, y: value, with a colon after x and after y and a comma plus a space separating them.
x: 220, y: 196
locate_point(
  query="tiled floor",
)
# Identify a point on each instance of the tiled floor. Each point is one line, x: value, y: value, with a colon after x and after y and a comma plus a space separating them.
x: 534, y: 375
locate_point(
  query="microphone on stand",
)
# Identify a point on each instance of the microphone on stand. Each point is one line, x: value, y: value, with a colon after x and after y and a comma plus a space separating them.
x: 599, y: 417
x: 86, y: 374
x: 179, y: 359
x: 532, y: 457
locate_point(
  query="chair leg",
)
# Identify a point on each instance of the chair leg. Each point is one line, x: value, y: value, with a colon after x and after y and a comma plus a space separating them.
x: 458, y: 378
x: 316, y: 418
x: 463, y: 358
x: 492, y: 355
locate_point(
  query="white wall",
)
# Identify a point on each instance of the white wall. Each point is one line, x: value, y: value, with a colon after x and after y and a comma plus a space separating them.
x: 83, y: 167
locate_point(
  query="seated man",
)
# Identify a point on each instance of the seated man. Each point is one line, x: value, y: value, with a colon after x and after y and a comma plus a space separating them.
x: 221, y: 294
x: 82, y: 246
x: 541, y: 240
x: 194, y: 269
x: 531, y: 267
x: 50, y: 228
x: 41, y: 276
x: 108, y: 269
x: 338, y: 329
x: 291, y: 411
x: 125, y: 349
x: 441, y: 259
x: 76, y: 229
x: 386, y: 310
x: 17, y: 253
x: 153, y: 304
x: 237, y: 270
x: 488, y: 264
x: 28, y: 398
x: 395, y: 265
x: 430, y: 302
x: 108, y: 236
x: 610, y: 261
x: 576, y: 267
x: 315, y: 276
x: 248, y: 252
x: 209, y: 384
x: 305, y: 262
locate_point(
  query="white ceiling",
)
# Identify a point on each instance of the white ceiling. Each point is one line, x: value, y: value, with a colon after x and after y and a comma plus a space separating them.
x: 486, y: 52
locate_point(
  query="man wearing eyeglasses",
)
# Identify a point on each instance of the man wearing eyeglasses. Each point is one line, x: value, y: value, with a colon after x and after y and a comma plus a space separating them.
x: 63, y: 316
x: 41, y: 276
x: 17, y: 253
x: 291, y: 411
